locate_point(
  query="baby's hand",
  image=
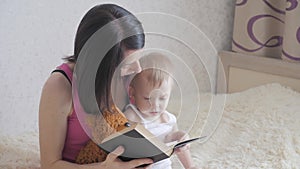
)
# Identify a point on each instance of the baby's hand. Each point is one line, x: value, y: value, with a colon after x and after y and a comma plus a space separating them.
x: 178, y: 136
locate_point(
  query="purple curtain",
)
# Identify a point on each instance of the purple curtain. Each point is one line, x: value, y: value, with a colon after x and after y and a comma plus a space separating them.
x: 268, y: 28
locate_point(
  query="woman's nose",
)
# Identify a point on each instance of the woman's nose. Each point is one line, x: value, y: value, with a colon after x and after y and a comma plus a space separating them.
x: 136, y: 67
x: 131, y: 68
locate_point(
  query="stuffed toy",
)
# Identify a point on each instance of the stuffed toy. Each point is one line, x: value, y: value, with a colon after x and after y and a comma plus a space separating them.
x: 102, y: 126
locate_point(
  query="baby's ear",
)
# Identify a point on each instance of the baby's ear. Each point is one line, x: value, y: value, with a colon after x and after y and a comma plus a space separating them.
x: 131, y: 92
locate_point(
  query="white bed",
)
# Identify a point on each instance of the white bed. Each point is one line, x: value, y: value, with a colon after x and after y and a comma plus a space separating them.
x: 259, y: 129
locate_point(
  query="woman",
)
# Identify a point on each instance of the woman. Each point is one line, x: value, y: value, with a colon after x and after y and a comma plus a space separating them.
x: 61, y: 135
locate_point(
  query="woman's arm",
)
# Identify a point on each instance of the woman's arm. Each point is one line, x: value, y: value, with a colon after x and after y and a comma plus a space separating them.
x: 55, y: 106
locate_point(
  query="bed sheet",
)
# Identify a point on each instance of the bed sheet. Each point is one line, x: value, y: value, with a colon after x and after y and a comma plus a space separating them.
x: 259, y: 129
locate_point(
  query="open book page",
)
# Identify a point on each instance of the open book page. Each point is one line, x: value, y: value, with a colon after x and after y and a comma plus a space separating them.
x: 178, y: 144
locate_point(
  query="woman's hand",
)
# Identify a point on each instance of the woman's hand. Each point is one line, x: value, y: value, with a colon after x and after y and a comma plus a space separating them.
x: 112, y: 161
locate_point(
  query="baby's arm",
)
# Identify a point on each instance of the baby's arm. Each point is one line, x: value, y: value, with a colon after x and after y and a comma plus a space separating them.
x: 183, y: 153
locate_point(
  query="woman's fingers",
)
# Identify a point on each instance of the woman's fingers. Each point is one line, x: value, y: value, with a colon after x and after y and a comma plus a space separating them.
x: 114, y: 154
x: 139, y: 162
x: 112, y: 158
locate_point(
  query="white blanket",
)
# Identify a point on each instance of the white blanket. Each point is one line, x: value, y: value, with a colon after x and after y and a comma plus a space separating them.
x: 20, y: 152
x: 260, y: 128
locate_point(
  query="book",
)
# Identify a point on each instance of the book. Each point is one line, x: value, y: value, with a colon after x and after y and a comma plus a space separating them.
x: 141, y: 143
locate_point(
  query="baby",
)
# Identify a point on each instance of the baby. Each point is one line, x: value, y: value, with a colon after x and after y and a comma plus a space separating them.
x: 149, y: 92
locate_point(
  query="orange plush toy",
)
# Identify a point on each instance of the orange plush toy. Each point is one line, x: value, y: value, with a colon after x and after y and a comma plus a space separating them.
x: 111, y: 122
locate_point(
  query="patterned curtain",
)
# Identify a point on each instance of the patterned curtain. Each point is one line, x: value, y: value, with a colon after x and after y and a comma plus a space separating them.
x: 268, y: 28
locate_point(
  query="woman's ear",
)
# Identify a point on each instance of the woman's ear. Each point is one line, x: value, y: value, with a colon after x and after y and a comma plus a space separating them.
x: 131, y: 92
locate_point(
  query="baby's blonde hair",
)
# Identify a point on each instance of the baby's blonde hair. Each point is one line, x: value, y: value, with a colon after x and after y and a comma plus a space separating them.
x: 156, y: 67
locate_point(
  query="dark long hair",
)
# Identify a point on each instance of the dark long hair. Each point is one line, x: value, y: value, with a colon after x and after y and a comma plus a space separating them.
x: 95, y: 19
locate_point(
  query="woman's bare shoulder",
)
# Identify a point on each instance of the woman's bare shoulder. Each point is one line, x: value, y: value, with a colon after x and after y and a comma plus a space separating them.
x: 57, y: 93
x: 57, y: 84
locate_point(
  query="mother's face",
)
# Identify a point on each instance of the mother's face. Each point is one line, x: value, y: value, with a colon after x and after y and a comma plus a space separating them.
x: 122, y: 77
x: 131, y: 64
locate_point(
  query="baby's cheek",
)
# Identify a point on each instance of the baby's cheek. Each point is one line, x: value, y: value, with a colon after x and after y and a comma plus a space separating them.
x: 164, y: 106
x: 146, y: 106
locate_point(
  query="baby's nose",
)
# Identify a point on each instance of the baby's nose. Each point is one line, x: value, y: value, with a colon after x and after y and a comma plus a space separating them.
x: 155, y: 104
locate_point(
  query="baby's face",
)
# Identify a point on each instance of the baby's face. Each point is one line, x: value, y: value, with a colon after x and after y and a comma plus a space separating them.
x: 152, y: 100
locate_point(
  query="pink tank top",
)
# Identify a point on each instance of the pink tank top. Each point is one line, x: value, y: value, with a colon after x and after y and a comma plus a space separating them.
x: 76, y: 137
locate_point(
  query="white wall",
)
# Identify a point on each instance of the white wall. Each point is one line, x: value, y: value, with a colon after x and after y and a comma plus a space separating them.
x: 35, y: 34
